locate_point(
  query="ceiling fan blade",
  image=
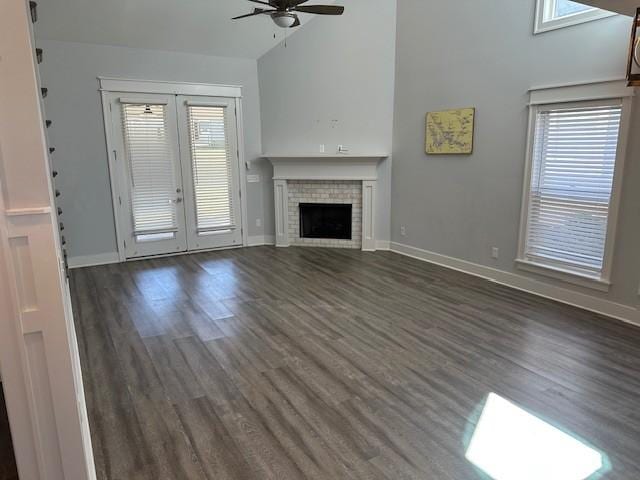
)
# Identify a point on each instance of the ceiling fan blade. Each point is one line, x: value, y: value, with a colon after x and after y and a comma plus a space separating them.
x: 320, y: 9
x: 256, y: 11
x: 261, y: 2
x: 297, y: 22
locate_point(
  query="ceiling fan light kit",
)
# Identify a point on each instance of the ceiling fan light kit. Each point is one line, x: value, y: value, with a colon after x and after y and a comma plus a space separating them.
x: 284, y: 12
x: 284, y: 19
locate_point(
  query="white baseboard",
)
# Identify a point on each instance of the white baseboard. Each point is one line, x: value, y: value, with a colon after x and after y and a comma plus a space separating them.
x: 112, y: 257
x: 93, y: 260
x: 587, y: 302
x: 383, y: 245
x: 260, y: 240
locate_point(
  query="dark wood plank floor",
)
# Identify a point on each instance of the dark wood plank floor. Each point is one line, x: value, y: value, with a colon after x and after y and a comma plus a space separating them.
x: 334, y: 364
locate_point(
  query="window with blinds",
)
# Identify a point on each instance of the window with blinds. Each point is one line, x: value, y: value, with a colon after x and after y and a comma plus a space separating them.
x: 211, y: 167
x: 152, y: 169
x: 573, y: 163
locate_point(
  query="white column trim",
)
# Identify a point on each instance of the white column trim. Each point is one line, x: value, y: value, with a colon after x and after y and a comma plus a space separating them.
x: 281, y: 199
x: 369, y: 188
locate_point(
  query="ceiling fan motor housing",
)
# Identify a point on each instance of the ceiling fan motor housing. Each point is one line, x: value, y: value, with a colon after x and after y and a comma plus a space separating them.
x: 283, y: 19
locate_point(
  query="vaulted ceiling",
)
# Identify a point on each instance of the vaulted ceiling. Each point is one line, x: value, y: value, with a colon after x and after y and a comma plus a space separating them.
x: 196, y: 26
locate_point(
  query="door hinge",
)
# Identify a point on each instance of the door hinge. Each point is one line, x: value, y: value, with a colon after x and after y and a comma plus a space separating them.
x: 125, y: 243
x: 111, y: 107
x: 115, y: 155
x: 119, y: 199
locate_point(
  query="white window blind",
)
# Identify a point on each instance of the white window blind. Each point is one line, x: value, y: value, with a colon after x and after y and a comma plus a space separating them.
x: 151, y: 165
x: 573, y: 162
x: 211, y: 167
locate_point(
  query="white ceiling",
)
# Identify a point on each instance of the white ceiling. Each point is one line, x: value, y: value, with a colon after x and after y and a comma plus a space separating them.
x: 196, y: 26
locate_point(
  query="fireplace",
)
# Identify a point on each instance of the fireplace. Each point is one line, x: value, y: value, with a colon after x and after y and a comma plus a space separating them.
x: 325, y: 220
x: 330, y: 179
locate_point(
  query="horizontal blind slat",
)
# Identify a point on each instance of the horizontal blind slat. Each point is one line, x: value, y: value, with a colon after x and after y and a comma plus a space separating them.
x: 211, y: 166
x: 151, y: 167
x: 574, y: 155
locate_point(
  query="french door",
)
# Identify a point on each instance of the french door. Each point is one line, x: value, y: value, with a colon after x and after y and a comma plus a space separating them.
x: 177, y: 174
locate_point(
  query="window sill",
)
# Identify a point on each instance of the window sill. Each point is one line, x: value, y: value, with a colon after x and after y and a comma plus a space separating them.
x: 568, y: 276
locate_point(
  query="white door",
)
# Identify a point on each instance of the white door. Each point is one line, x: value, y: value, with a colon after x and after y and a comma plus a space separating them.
x: 147, y: 157
x: 209, y: 152
x: 177, y: 173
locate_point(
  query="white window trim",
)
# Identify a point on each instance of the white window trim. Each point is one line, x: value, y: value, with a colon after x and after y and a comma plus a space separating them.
x: 545, y: 6
x: 615, y: 89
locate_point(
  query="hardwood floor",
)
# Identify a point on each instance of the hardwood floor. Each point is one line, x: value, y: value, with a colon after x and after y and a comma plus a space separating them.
x: 297, y: 363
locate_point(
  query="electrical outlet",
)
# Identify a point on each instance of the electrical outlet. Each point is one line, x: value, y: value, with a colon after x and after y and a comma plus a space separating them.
x: 253, y: 178
x: 403, y: 231
x: 343, y: 149
x: 495, y: 252
x: 322, y: 148
x: 258, y: 222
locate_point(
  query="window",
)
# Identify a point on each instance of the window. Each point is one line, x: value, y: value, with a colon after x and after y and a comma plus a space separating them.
x: 150, y: 162
x: 212, y: 165
x: 571, y: 190
x: 552, y: 14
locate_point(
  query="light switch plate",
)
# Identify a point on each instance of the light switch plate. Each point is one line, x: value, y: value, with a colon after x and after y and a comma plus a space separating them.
x: 253, y: 178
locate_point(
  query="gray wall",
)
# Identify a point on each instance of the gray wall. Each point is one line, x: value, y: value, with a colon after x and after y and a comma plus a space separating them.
x: 70, y: 70
x: 468, y: 53
x: 333, y: 84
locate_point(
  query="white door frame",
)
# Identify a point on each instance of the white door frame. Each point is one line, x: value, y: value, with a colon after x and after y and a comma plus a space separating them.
x: 132, y: 86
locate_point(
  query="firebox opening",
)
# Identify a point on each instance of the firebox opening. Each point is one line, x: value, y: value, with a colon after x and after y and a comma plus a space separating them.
x: 325, y: 220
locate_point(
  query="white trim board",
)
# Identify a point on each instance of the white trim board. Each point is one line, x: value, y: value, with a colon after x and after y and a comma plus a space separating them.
x: 577, y: 92
x: 113, y: 257
x: 586, y: 302
x: 112, y: 84
x: 260, y: 240
x: 93, y: 260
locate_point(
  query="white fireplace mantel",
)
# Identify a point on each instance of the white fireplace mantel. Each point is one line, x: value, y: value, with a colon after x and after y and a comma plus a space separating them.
x: 325, y: 167
x: 360, y: 167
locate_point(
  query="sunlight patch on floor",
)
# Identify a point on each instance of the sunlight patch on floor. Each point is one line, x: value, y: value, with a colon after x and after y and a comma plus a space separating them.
x: 509, y: 443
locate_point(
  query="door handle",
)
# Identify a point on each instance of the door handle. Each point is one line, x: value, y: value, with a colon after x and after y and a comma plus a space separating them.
x: 178, y: 200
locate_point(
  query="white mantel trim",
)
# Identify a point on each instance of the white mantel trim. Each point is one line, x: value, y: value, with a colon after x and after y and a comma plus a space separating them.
x: 321, y: 156
x: 325, y: 167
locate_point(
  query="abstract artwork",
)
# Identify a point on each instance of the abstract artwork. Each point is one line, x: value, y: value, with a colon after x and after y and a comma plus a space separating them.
x: 450, y: 132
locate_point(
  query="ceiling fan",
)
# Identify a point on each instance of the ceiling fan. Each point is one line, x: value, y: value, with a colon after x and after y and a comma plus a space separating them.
x: 284, y: 12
